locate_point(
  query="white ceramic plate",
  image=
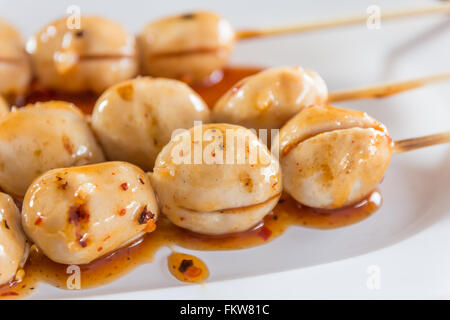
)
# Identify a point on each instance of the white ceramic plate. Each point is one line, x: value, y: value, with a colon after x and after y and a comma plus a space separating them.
x: 403, y: 249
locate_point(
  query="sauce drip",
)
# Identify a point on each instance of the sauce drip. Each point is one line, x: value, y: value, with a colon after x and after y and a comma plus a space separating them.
x: 105, y: 270
x: 211, y: 89
x: 187, y: 268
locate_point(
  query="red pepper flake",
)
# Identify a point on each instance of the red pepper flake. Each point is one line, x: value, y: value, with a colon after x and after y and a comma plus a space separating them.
x: 141, y: 181
x: 185, y: 264
x: 264, y: 233
x: 188, y: 269
x: 193, y: 272
x: 145, y: 216
x: 100, y: 249
x: 124, y: 186
x: 122, y: 212
x: 38, y: 221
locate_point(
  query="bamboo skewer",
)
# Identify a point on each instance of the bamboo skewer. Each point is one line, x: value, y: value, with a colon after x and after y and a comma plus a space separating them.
x: 386, y: 89
x: 421, y: 142
x: 362, y: 18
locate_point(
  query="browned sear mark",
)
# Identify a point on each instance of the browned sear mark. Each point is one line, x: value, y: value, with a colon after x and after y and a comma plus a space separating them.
x: 126, y: 92
x: 78, y: 216
x: 67, y: 144
x: 61, y: 184
x: 188, y: 16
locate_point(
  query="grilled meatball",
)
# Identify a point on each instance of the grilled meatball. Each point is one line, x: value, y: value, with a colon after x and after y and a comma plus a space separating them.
x: 38, y: 138
x: 189, y: 46
x: 92, y: 58
x: 79, y: 214
x: 135, y: 119
x: 216, y: 179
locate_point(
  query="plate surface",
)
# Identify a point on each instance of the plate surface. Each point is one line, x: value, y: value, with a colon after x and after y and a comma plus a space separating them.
x: 405, y: 244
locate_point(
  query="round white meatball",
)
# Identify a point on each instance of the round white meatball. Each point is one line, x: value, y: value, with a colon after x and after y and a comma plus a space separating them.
x: 41, y: 137
x: 216, y: 179
x: 15, y: 70
x: 332, y: 157
x: 12, y: 239
x: 267, y: 100
x: 93, y: 57
x: 135, y: 119
x: 79, y: 214
x: 189, y: 46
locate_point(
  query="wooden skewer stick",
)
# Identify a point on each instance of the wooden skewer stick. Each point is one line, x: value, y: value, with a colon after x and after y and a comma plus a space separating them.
x: 386, y: 89
x: 421, y: 142
x: 310, y: 26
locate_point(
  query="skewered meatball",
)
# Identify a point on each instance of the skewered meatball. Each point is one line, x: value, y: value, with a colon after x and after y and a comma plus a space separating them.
x: 333, y: 157
x: 92, y: 58
x: 135, y: 119
x: 216, y: 186
x: 79, y: 214
x: 38, y: 138
x: 12, y: 239
x: 270, y: 98
x: 15, y: 71
x: 4, y: 108
x: 189, y: 46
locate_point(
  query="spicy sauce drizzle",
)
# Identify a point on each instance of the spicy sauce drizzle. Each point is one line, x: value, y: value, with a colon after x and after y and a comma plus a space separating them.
x: 105, y: 270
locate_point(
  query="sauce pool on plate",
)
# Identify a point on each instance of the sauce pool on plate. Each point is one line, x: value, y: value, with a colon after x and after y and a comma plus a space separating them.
x: 183, y: 267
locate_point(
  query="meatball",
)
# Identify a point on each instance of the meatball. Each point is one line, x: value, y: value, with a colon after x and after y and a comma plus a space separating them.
x: 92, y: 58
x: 270, y: 98
x: 15, y: 70
x: 216, y: 179
x: 79, y: 214
x: 38, y: 138
x: 189, y: 46
x: 135, y: 119
x: 12, y: 239
x: 333, y: 157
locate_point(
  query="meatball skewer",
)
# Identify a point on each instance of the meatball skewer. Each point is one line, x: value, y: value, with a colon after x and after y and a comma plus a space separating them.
x: 193, y: 46
x: 268, y: 99
x: 332, y: 157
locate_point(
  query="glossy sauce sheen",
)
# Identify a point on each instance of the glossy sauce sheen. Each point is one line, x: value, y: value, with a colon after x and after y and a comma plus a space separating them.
x: 104, y: 270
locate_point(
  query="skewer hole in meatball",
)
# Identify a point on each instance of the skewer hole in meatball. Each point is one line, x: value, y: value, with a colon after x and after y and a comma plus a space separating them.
x: 268, y: 99
x: 216, y: 179
x: 15, y: 70
x: 79, y: 214
x: 12, y: 239
x: 189, y: 46
x: 133, y: 120
x: 333, y: 157
x: 92, y: 57
x: 40, y: 137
